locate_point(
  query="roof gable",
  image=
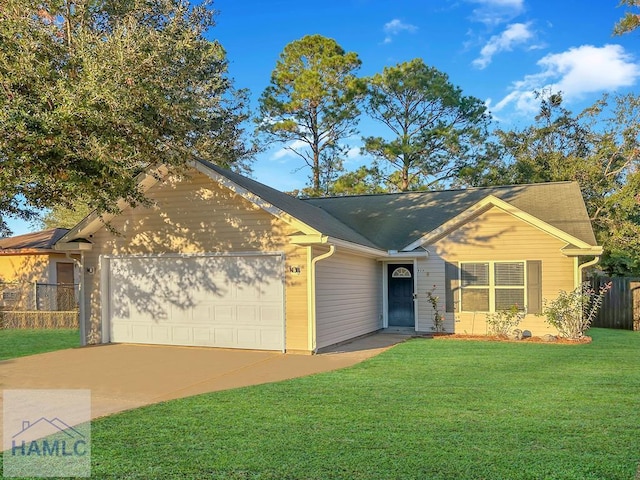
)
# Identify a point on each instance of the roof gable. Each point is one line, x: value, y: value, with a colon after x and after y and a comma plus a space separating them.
x: 484, y: 205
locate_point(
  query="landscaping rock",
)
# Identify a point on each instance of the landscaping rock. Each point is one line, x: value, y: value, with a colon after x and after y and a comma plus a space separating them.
x: 549, y: 338
x: 516, y: 334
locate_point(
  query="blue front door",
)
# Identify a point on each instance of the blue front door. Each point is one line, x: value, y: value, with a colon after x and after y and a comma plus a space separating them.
x: 400, y: 294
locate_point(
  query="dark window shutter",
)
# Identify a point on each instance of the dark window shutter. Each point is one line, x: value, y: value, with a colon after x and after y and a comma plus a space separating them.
x: 534, y: 286
x: 452, y: 286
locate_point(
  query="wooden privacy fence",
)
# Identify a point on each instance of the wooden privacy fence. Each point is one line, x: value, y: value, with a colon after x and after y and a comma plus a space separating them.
x: 621, y: 304
x: 38, y: 305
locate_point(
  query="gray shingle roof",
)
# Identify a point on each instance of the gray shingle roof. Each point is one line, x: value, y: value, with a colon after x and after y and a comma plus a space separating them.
x: 44, y: 240
x: 393, y: 221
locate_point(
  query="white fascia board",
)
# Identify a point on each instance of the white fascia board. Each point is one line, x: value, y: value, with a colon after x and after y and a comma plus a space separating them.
x: 484, y: 205
x: 572, y: 251
x: 354, y: 247
x: 391, y: 256
x: 72, y: 246
x: 313, y: 239
x: 255, y: 199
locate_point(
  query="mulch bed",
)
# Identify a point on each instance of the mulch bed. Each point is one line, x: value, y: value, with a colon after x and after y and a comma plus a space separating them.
x: 495, y: 338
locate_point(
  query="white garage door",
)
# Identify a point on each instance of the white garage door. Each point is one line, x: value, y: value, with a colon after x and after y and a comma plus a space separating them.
x: 233, y: 301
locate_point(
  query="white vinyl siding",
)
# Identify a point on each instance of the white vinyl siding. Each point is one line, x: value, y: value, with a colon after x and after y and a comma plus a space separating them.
x: 348, y: 297
x: 430, y: 278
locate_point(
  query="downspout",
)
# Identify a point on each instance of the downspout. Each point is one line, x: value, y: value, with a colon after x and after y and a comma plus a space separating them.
x: 80, y: 264
x: 585, y: 265
x: 312, y: 281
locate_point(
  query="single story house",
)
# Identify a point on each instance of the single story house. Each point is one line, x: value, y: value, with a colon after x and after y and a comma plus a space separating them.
x: 30, y: 266
x: 219, y: 259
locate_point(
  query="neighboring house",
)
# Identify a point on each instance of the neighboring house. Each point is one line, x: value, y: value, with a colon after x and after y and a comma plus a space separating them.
x: 30, y: 267
x: 222, y: 260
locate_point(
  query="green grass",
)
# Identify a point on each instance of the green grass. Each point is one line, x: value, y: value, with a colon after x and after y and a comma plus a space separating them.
x: 426, y: 409
x: 19, y: 343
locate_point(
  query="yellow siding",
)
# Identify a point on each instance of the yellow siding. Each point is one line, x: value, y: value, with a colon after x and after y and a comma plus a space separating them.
x: 499, y: 236
x: 197, y: 215
x: 30, y: 268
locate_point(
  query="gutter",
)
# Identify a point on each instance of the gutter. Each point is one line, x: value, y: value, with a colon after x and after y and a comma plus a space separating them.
x: 312, y: 299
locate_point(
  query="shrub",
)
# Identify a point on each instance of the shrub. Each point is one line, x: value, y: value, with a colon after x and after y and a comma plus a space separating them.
x: 504, y: 321
x: 571, y: 313
x: 438, y: 318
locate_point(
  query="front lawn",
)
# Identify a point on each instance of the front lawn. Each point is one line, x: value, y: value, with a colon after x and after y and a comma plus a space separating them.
x: 426, y: 409
x: 19, y: 343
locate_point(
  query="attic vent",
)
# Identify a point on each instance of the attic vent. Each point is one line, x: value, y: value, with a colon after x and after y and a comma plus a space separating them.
x: 401, y: 272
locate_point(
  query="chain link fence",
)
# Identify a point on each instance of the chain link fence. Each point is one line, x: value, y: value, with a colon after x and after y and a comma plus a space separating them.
x: 39, y: 305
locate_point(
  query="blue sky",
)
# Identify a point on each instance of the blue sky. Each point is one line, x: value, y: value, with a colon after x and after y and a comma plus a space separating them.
x: 496, y: 50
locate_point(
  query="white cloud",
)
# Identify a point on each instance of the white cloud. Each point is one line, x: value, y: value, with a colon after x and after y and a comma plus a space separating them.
x: 287, y: 151
x: 395, y: 27
x: 353, y: 153
x: 495, y: 12
x: 514, y: 34
x: 575, y: 73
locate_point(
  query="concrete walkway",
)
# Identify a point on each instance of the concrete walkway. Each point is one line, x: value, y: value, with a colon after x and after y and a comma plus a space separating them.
x: 124, y: 376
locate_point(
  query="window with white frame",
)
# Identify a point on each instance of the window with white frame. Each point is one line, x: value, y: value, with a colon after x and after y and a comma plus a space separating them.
x: 492, y: 286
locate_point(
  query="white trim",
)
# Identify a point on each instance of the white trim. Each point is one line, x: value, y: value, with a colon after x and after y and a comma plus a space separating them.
x: 492, y: 286
x: 73, y: 247
x: 385, y: 295
x: 82, y: 313
x: 104, y: 262
x: 385, y: 289
x: 484, y: 205
x: 571, y: 251
x: 356, y: 248
x: 402, y: 273
x: 314, y: 261
x: 310, y: 316
x: 195, y: 254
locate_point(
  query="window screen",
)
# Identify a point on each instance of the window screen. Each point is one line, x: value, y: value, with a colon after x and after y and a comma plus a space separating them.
x: 475, y: 274
x: 509, y: 274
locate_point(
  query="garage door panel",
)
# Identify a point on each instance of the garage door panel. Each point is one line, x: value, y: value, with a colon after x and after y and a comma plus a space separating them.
x: 228, y: 301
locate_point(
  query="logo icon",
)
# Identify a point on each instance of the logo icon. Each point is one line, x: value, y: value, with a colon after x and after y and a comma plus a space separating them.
x: 46, y: 433
x: 41, y: 438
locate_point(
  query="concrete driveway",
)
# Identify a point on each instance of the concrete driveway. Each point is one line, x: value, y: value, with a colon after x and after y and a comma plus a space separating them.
x: 124, y: 376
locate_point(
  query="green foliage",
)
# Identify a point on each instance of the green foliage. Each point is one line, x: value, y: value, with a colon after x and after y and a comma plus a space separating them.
x: 630, y: 21
x: 310, y: 105
x: 571, y: 313
x: 599, y: 149
x: 365, y: 180
x: 438, y: 131
x: 93, y: 92
x: 64, y: 217
x: 504, y: 321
